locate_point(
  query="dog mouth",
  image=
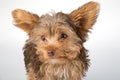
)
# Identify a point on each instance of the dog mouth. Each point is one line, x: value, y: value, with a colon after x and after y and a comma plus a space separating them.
x: 57, y: 60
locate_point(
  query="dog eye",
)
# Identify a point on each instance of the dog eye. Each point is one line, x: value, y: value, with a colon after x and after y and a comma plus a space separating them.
x: 63, y: 36
x: 43, y: 38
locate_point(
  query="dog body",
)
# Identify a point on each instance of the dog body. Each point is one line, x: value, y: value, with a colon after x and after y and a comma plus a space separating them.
x: 55, y: 50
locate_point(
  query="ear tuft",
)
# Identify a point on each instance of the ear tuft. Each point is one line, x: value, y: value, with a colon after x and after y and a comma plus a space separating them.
x: 24, y: 20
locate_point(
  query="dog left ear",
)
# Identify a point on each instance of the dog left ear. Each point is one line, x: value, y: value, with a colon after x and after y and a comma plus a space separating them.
x: 85, y: 16
x: 25, y: 20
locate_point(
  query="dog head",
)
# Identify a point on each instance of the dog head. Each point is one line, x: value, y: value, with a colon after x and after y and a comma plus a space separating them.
x: 57, y: 38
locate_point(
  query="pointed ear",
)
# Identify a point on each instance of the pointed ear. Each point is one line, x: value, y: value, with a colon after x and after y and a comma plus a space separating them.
x: 85, y: 16
x: 25, y: 20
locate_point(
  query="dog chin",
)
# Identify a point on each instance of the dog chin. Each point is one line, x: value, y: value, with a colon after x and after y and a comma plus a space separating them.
x: 57, y: 61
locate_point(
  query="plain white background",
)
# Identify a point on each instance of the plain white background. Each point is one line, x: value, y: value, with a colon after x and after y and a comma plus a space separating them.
x: 103, y: 43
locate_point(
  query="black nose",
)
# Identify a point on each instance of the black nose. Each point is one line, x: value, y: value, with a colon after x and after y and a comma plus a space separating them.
x: 51, y: 52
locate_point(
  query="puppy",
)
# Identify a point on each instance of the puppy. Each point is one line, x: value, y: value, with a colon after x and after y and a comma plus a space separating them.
x: 55, y: 50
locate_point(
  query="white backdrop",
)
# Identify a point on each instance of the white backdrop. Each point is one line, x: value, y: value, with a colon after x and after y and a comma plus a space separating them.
x: 103, y: 42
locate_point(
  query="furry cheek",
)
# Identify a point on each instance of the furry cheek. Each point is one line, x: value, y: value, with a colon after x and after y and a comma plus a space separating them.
x: 73, y: 51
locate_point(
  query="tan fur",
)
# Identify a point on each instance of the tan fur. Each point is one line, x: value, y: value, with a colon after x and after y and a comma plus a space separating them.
x: 31, y: 74
x: 24, y: 20
x: 55, y: 50
x: 85, y: 16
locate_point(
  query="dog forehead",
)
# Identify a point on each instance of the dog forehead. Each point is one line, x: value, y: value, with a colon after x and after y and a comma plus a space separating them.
x: 52, y: 19
x: 52, y: 29
x: 52, y: 23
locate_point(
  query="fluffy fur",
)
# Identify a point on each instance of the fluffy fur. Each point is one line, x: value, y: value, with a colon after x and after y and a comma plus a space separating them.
x: 55, y: 50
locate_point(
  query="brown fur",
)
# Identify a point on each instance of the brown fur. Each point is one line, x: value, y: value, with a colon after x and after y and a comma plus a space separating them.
x: 55, y: 50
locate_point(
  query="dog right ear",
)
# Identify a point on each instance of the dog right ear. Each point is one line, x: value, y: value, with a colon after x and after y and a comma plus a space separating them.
x: 25, y: 20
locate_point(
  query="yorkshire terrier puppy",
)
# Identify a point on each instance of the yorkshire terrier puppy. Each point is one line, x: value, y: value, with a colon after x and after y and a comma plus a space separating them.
x: 55, y: 50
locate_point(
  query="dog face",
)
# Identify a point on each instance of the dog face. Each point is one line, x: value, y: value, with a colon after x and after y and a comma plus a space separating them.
x: 58, y: 40
x: 55, y: 39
